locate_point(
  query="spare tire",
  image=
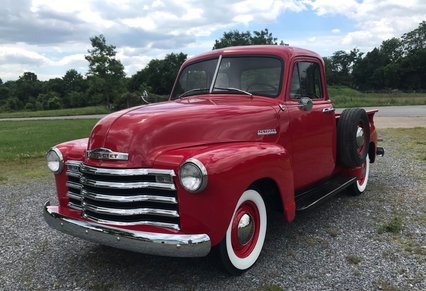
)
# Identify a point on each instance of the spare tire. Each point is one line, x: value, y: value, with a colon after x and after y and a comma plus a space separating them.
x: 353, y: 137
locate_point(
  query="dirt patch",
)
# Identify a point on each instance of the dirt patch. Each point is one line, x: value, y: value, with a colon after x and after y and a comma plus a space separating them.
x: 399, y: 122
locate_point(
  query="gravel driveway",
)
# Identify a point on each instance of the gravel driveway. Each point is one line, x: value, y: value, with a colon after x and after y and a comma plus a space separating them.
x: 349, y: 243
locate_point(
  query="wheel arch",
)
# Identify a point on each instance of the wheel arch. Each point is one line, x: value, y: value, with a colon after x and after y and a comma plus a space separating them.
x: 270, y: 192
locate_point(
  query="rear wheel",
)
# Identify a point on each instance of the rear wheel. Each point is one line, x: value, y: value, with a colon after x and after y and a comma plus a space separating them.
x: 361, y: 184
x: 353, y: 137
x: 244, y: 238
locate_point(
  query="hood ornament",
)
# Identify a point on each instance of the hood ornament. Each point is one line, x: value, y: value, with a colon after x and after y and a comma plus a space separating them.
x: 106, y: 154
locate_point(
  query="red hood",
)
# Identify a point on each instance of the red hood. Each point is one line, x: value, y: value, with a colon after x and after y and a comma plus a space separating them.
x: 146, y: 131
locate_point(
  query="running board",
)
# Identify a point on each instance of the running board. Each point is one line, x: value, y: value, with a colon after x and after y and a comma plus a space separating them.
x: 310, y: 197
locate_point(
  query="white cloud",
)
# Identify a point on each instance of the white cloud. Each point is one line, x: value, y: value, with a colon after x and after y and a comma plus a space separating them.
x: 376, y: 20
x: 47, y: 36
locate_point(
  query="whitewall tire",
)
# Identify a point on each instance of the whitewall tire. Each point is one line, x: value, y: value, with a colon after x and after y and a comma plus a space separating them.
x: 361, y: 184
x: 246, y: 233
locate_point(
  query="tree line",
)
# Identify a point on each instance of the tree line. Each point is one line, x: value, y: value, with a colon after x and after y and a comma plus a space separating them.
x: 399, y: 63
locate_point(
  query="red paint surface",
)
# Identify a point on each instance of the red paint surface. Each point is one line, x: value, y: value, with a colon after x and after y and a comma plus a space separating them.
x: 221, y: 132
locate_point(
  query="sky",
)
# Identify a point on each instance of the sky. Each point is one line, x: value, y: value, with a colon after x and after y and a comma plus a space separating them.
x: 49, y: 37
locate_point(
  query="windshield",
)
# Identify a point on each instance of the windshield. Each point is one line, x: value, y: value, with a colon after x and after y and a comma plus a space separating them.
x: 252, y: 75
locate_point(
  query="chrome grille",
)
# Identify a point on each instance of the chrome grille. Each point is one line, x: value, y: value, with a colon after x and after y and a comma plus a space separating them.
x: 123, y: 196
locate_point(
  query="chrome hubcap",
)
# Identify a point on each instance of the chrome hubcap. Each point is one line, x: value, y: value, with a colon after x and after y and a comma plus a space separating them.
x: 245, y: 229
x: 360, y: 137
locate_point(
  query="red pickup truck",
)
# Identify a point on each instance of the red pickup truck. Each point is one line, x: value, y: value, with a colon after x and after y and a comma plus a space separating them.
x: 246, y: 130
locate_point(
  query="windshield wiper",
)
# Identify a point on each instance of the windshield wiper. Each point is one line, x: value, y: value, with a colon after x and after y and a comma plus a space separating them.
x: 233, y: 90
x: 193, y: 91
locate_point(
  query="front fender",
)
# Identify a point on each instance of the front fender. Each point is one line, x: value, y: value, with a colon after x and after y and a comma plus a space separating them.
x: 231, y: 169
x: 71, y: 150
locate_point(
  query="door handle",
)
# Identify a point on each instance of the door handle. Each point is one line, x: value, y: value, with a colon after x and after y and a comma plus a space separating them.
x: 328, y: 110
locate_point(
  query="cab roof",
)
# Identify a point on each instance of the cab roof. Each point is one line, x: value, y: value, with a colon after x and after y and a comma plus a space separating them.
x: 286, y: 52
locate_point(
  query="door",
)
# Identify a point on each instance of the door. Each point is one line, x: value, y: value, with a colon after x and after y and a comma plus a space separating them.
x: 313, y: 133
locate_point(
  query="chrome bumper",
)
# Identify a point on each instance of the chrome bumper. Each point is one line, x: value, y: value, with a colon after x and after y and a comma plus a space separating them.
x: 161, y: 244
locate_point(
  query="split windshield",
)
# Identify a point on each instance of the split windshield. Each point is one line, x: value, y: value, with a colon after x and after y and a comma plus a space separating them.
x: 251, y: 75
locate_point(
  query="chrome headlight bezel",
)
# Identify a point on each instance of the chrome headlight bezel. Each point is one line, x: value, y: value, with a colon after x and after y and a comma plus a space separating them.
x: 200, y: 174
x: 54, y: 155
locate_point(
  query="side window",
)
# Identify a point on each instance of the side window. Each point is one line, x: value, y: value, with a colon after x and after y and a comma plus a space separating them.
x: 306, y: 81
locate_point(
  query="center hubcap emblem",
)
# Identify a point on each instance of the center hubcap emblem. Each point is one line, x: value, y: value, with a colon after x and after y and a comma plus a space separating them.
x: 245, y: 229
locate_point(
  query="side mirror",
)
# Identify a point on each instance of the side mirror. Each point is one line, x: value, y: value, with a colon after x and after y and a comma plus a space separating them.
x: 144, y: 96
x: 306, y: 103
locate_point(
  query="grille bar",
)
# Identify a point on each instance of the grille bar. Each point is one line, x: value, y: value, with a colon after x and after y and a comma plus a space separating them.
x: 126, y: 185
x: 125, y: 172
x: 125, y: 199
x: 136, y: 222
x: 74, y: 196
x: 123, y: 196
x: 128, y: 212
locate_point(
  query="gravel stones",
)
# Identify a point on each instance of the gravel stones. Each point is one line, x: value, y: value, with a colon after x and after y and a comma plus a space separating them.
x: 337, y: 246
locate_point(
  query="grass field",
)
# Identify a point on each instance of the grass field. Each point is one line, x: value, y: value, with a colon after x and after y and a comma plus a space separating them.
x: 347, y: 97
x: 58, y: 112
x: 23, y: 144
x: 342, y: 97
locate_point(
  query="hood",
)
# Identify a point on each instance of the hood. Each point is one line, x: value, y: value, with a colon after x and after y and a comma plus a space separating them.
x: 144, y: 132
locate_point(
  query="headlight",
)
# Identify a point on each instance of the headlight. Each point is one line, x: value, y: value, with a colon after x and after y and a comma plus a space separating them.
x: 193, y: 175
x: 55, y: 160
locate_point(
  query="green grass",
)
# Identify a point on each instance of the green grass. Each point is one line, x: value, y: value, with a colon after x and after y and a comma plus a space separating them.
x: 353, y: 260
x: 23, y: 144
x: 58, y: 112
x: 394, y: 225
x: 409, y: 141
x: 348, y: 97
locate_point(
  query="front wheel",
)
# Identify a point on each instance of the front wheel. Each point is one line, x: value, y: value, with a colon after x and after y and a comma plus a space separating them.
x: 244, y: 238
x: 361, y: 184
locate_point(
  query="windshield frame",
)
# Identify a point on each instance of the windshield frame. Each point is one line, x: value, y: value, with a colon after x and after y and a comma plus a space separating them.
x: 219, y: 59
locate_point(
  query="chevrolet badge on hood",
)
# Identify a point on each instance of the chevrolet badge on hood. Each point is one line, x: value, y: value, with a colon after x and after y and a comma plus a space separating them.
x: 106, y: 154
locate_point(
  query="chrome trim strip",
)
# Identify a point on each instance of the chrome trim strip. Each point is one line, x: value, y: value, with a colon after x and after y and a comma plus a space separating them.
x: 133, y: 211
x: 135, y: 198
x: 328, y: 110
x: 216, y: 71
x: 124, y: 172
x: 74, y: 185
x: 123, y: 185
x: 163, y: 244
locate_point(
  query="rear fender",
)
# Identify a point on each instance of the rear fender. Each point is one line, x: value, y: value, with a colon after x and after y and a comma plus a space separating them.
x: 373, y: 136
x: 231, y: 169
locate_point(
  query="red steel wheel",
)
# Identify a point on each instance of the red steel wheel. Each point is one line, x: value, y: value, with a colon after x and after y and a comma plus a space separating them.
x: 245, y: 235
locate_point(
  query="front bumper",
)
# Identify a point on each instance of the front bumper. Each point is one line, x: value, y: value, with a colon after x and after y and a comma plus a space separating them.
x: 161, y: 244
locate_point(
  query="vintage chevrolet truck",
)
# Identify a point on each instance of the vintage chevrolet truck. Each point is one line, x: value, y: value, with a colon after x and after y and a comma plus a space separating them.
x: 246, y: 130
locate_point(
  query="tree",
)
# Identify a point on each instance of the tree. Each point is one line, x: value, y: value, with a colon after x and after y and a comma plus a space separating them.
x: 73, y: 81
x: 415, y: 39
x: 27, y: 86
x: 236, y: 38
x: 340, y: 65
x: 159, y: 75
x: 104, y: 66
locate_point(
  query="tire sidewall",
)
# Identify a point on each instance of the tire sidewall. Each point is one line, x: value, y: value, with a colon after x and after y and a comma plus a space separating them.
x: 360, y: 187
x: 348, y: 153
x: 245, y: 263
